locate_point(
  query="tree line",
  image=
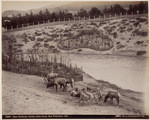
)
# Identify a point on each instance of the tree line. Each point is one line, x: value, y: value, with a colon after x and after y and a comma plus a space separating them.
x: 45, y: 16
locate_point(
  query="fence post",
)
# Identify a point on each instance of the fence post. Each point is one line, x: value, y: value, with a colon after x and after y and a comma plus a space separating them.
x: 59, y: 21
x: 69, y: 20
x: 109, y: 17
x: 12, y: 28
x: 64, y: 20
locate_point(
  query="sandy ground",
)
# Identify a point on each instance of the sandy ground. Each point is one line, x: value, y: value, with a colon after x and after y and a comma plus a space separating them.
x: 27, y: 94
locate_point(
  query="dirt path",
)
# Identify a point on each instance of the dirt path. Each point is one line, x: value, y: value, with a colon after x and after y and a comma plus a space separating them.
x: 27, y: 94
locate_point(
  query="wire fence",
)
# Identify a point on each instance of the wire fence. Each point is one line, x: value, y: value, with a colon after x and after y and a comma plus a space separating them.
x: 75, y: 20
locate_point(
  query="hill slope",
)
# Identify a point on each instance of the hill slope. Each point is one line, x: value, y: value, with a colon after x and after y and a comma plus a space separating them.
x: 121, y: 36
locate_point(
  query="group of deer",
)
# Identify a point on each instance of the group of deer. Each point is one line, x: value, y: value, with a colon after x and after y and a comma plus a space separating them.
x: 84, y: 95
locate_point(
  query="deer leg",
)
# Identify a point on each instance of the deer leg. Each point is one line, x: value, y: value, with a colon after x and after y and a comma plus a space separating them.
x: 63, y: 88
x: 117, y: 99
x: 111, y: 100
x: 106, y: 97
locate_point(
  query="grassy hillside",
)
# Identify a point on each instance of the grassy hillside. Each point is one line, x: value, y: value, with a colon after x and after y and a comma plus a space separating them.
x: 121, y: 36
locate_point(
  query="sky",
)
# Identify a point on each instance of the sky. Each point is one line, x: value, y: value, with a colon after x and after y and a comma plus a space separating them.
x: 27, y: 5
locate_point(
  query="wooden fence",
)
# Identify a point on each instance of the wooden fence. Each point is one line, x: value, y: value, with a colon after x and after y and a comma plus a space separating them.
x: 75, y: 20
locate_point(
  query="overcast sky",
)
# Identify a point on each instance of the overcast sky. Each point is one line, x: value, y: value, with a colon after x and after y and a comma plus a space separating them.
x: 27, y: 5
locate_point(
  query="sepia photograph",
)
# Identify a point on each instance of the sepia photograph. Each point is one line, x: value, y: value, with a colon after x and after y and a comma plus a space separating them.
x: 75, y: 59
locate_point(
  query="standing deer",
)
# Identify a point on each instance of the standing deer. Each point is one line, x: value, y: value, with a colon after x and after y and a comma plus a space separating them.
x: 112, y: 95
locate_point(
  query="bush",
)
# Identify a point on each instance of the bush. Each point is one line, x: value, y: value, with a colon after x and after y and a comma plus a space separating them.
x: 34, y: 67
x: 51, y: 46
x: 79, y: 50
x: 129, y: 29
x: 139, y: 42
x: 132, y: 21
x: 118, y: 43
x: 40, y: 39
x: 141, y: 53
x: 19, y: 45
x: 106, y: 28
x: 46, y: 45
x: 144, y: 33
x: 93, y: 23
x: 120, y: 46
x: 141, y: 19
x: 37, y: 33
x: 48, y: 39
x: 36, y: 45
x: 31, y: 38
x: 115, y: 35
x: 136, y: 24
x: 139, y: 33
x: 55, y: 50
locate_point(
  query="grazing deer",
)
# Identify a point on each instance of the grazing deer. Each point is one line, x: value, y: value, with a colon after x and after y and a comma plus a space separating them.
x: 112, y: 95
x: 58, y: 81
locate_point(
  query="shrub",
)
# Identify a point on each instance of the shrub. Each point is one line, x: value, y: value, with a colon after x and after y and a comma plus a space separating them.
x: 118, y: 43
x: 19, y: 45
x: 74, y: 26
x: 115, y: 35
x: 36, y: 45
x: 129, y: 29
x: 93, y: 23
x: 48, y: 39
x: 113, y: 23
x: 46, y: 45
x: 141, y: 53
x: 55, y: 50
x: 144, y: 33
x: 132, y: 21
x: 79, y: 50
x: 140, y: 33
x: 124, y: 20
x: 51, y: 47
x: 136, y: 24
x: 37, y: 33
x: 40, y: 39
x: 120, y: 46
x: 139, y: 42
x: 106, y: 28
x: 31, y: 38
x: 141, y: 19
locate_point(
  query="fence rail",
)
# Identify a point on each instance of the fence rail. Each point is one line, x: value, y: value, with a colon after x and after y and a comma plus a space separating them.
x: 77, y: 20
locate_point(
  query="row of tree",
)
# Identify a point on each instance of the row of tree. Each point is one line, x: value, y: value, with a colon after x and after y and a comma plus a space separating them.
x: 46, y: 16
